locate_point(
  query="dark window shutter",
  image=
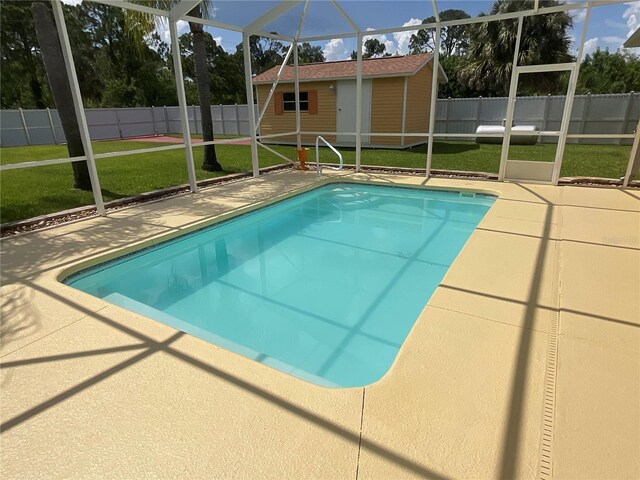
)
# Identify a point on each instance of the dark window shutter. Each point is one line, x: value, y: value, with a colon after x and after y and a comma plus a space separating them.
x: 277, y: 101
x: 313, y: 102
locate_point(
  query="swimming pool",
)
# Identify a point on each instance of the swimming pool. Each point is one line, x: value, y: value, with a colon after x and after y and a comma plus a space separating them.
x: 324, y: 285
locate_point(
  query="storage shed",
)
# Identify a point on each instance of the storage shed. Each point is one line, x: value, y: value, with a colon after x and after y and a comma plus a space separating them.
x: 396, y: 99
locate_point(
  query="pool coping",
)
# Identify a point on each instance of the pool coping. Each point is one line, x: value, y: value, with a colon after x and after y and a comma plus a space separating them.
x: 86, y: 267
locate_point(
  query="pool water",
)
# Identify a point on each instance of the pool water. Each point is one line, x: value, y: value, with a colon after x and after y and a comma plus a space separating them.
x: 325, y: 285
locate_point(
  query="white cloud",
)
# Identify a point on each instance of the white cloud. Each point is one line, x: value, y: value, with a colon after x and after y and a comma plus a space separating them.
x: 389, y: 45
x: 579, y: 15
x: 402, y: 38
x: 632, y: 17
x: 218, y: 41
x: 72, y: 2
x: 591, y: 45
x: 182, y: 26
x: 162, y: 28
x: 614, y: 41
x: 613, y: 24
x: 399, y: 44
x: 335, y: 50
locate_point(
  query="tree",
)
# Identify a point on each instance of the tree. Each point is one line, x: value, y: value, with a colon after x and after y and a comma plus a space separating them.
x: 307, y: 53
x: 23, y: 75
x: 210, y: 160
x: 453, y: 39
x: 489, y: 56
x: 22, y: 69
x: 451, y: 65
x: 266, y: 53
x: 226, y: 78
x: 372, y: 48
x: 59, y: 82
x: 126, y: 67
x: 606, y: 72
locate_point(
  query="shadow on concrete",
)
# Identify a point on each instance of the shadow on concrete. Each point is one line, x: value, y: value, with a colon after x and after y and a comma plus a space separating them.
x: 151, y: 346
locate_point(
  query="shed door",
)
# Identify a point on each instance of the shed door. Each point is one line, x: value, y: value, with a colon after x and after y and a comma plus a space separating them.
x: 346, y: 114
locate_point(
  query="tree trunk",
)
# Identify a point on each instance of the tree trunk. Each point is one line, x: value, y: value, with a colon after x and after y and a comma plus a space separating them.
x: 210, y: 161
x: 61, y: 89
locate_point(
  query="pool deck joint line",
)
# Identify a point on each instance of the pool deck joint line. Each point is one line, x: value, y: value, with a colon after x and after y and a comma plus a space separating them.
x: 364, y: 390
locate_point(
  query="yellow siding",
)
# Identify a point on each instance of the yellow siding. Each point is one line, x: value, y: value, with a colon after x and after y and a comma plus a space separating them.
x: 323, y: 121
x: 418, y: 103
x: 386, y: 109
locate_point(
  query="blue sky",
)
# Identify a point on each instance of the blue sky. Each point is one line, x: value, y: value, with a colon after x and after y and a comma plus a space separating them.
x: 608, y: 28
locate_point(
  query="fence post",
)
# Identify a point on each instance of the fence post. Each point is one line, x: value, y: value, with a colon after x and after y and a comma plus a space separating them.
x: 166, y: 120
x: 53, y: 128
x: 115, y: 110
x: 627, y: 113
x: 585, y: 114
x: 447, y: 102
x: 153, y: 120
x: 213, y: 121
x: 545, y: 114
x: 195, y: 119
x: 478, y: 111
x: 24, y: 126
x: 222, y: 119
x: 238, y: 119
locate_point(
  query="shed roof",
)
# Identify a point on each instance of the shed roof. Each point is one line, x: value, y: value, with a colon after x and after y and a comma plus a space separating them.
x: 394, y: 66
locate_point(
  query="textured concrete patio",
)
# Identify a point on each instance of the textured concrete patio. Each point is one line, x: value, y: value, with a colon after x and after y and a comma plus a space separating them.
x: 525, y: 362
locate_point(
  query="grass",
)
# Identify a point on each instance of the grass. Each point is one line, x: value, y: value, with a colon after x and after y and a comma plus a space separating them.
x: 30, y: 192
x: 607, y: 161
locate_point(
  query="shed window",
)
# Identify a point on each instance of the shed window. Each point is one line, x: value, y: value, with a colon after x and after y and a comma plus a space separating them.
x: 286, y: 102
x: 289, y: 101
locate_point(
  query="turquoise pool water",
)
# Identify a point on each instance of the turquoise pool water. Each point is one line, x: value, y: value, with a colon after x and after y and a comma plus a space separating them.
x: 325, y: 285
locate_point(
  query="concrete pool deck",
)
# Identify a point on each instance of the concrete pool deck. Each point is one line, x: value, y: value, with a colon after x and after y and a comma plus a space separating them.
x: 525, y: 362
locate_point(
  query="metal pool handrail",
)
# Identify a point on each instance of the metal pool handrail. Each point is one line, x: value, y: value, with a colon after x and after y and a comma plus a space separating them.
x: 318, y: 166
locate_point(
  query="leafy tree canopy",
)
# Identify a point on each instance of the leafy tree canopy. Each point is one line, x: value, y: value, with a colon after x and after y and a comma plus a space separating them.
x: 372, y: 48
x: 226, y: 75
x: 606, y: 72
x: 266, y: 53
x: 453, y: 39
x: 308, y: 53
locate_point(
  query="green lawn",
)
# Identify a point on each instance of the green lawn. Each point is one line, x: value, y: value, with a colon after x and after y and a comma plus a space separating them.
x: 579, y: 160
x: 35, y: 191
x: 29, y: 192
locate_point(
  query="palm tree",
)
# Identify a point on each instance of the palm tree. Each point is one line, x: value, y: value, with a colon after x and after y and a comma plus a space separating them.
x: 210, y: 160
x: 51, y: 50
x: 490, y: 53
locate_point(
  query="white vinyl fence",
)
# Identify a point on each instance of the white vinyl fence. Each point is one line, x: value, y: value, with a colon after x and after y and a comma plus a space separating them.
x: 592, y: 114
x: 43, y: 127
